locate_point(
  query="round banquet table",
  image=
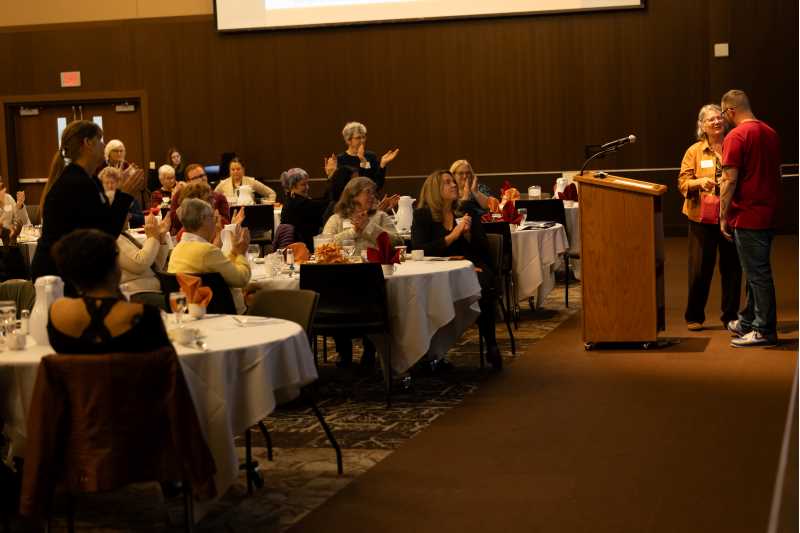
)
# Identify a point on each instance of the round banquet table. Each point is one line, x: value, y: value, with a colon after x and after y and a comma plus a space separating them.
x: 238, y: 380
x: 534, y: 256
x: 431, y: 303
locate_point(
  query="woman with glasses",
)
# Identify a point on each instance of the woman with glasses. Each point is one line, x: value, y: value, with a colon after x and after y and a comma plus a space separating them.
x: 467, y: 183
x: 698, y: 182
x: 357, y: 156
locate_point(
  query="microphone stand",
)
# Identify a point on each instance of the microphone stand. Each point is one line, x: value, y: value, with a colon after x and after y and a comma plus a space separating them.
x: 598, y: 154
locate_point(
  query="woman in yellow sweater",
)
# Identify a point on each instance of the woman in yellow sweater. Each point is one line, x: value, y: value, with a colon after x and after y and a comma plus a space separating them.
x: 196, y: 254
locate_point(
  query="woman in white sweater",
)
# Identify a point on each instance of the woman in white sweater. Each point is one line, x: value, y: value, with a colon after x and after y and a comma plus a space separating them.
x: 356, y: 217
x: 230, y: 186
x: 139, y: 261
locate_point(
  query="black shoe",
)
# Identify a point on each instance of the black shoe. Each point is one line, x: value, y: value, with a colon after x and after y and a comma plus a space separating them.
x: 494, y: 358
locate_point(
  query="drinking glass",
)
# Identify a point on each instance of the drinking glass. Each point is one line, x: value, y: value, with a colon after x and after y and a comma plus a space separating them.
x: 8, y: 317
x: 523, y: 212
x: 349, y: 247
x: 253, y: 251
x: 177, y: 302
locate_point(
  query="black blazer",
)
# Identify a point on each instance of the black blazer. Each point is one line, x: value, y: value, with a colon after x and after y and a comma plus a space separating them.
x: 428, y: 234
x: 76, y: 201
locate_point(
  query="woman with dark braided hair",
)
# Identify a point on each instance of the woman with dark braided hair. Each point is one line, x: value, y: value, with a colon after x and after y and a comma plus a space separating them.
x: 74, y: 198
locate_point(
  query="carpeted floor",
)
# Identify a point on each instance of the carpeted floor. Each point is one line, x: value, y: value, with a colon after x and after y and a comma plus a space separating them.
x: 303, y: 473
x: 687, y: 438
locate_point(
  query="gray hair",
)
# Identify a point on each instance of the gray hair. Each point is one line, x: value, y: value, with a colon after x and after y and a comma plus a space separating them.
x: 291, y: 177
x: 193, y: 213
x: 353, y: 128
x: 701, y: 116
x: 163, y: 170
x: 113, y: 144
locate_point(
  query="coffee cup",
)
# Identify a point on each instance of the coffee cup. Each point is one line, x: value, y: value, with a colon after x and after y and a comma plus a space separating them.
x: 417, y: 255
x: 183, y: 335
x: 16, y: 341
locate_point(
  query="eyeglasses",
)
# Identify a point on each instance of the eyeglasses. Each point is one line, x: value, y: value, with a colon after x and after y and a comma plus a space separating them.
x: 727, y: 109
x: 199, y: 176
x: 717, y: 118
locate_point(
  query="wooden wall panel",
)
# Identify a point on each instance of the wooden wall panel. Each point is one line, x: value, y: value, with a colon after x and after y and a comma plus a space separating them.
x: 510, y: 94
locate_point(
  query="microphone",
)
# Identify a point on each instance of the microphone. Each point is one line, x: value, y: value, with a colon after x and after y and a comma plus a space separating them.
x: 619, y: 142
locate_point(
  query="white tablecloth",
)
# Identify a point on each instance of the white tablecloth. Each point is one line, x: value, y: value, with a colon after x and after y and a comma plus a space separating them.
x: 431, y: 303
x: 535, y: 254
x: 233, y: 384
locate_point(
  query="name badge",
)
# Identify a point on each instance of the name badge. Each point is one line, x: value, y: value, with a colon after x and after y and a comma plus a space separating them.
x: 707, y: 163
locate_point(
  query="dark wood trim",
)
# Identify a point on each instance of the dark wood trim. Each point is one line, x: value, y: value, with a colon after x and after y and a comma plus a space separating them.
x: 93, y: 24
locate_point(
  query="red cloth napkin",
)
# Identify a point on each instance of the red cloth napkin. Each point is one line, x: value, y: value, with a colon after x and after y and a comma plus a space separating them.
x: 385, y: 253
x: 570, y: 193
x: 192, y: 287
x: 510, y: 214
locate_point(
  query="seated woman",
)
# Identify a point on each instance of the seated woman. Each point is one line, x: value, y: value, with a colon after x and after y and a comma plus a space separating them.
x: 196, y: 254
x: 13, y: 214
x: 100, y: 320
x: 357, y: 217
x: 299, y: 210
x: 163, y: 196
x: 199, y: 189
x: 230, y: 186
x: 140, y: 261
x: 175, y: 160
x: 434, y: 229
x: 110, y: 178
x: 467, y: 183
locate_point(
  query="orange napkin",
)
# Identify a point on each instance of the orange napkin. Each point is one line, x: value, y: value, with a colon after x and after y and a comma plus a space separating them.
x: 192, y: 287
x: 385, y: 253
x: 300, y: 251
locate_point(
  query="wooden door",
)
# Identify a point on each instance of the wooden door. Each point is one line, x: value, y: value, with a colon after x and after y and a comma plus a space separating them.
x: 36, y: 132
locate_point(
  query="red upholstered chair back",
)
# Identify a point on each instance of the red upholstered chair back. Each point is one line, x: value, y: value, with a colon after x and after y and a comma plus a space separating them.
x: 99, y: 422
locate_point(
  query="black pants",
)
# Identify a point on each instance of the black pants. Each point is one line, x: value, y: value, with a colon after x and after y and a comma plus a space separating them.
x: 488, y: 305
x: 704, y: 239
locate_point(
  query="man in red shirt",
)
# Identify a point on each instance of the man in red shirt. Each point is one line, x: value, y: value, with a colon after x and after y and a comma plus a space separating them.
x: 748, y: 208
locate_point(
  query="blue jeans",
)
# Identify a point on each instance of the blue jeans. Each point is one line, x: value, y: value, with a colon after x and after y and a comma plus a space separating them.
x: 754, y: 247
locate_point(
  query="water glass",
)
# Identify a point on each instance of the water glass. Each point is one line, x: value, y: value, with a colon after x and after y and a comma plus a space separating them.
x: 348, y: 247
x: 8, y: 317
x: 253, y: 251
x: 523, y: 212
x: 535, y: 192
x: 177, y: 302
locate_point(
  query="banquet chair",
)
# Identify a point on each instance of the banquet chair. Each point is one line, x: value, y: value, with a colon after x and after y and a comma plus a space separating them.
x: 221, y: 299
x: 21, y: 291
x: 297, y: 306
x: 352, y: 301
x: 12, y: 263
x: 90, y: 429
x: 551, y: 210
x: 284, y: 236
x: 496, y: 255
x: 506, y: 266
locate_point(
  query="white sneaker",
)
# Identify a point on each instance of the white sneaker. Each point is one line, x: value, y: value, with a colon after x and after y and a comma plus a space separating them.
x: 754, y: 338
x: 735, y: 327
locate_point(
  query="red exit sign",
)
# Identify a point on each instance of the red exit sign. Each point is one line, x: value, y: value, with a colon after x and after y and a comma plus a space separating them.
x: 71, y: 78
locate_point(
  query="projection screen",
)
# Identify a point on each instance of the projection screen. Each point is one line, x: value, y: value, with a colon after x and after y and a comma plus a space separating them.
x: 237, y: 15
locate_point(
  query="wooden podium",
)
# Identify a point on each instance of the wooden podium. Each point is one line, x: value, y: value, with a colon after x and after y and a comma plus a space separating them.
x: 622, y: 258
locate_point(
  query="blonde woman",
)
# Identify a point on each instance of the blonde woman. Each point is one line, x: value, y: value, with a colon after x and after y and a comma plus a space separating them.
x: 437, y: 230
x: 701, y: 170
x: 230, y: 186
x: 356, y: 217
x: 467, y: 183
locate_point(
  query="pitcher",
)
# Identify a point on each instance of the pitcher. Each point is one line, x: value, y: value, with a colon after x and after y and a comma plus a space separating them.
x: 48, y: 289
x: 405, y: 213
x: 246, y: 195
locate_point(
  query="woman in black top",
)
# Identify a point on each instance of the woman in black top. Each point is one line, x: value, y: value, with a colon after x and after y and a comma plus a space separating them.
x: 100, y: 320
x: 436, y: 230
x: 73, y: 197
x: 302, y: 212
x: 356, y: 155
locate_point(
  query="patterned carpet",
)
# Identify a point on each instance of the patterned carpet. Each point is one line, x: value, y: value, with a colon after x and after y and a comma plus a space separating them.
x: 303, y: 473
